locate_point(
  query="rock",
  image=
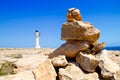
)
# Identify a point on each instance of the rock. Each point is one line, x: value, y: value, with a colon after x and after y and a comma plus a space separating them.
x: 73, y: 15
x: 45, y: 71
x: 78, y: 17
x: 114, y: 55
x: 88, y: 62
x: 71, y: 9
x: 29, y: 62
x: 69, y: 16
x: 73, y: 72
x: 75, y: 12
x: 59, y: 61
x: 70, y: 49
x: 108, y: 67
x: 98, y: 47
x: 25, y: 75
x: 79, y: 30
x: 117, y: 75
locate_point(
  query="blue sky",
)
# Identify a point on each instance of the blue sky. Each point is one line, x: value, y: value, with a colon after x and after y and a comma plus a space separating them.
x: 20, y: 18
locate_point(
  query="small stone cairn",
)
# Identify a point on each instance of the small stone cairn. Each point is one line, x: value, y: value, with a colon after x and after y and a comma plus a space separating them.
x: 80, y: 36
x: 82, y: 48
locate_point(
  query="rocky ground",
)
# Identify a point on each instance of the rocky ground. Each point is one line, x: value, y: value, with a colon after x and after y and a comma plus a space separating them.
x: 115, y: 56
x: 80, y: 58
x: 26, y: 62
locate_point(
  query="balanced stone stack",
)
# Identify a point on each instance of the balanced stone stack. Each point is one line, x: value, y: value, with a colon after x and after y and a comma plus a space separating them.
x: 80, y: 36
x: 81, y: 47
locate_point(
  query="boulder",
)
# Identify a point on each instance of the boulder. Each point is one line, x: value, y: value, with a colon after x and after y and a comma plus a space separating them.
x: 70, y: 49
x: 108, y: 67
x: 98, y: 47
x: 79, y: 30
x: 59, y: 61
x: 88, y: 62
x: 73, y: 72
x: 45, y: 71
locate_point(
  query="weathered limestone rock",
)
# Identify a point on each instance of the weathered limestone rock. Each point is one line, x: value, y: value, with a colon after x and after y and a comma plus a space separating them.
x: 71, y: 9
x: 70, y: 18
x: 59, y: 61
x: 108, y: 67
x: 73, y: 15
x: 75, y: 12
x: 45, y: 71
x: 117, y: 75
x: 70, y: 49
x: 98, y: 47
x: 78, y: 17
x: 88, y: 62
x: 79, y: 30
x: 36, y: 59
x: 72, y: 72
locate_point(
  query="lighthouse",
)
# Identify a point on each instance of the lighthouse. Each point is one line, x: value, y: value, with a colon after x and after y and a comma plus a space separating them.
x: 37, y: 34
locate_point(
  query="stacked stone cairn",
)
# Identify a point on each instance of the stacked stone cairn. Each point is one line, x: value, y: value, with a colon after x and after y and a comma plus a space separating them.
x: 81, y: 57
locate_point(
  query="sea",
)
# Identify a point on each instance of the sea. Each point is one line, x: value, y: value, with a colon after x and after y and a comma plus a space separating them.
x: 113, y: 48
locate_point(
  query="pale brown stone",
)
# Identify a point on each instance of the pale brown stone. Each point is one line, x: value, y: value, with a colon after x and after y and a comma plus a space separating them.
x: 70, y: 49
x: 71, y: 9
x: 79, y: 31
x: 108, y: 67
x: 71, y: 19
x: 98, y: 47
x: 59, y: 61
x: 88, y: 62
x: 45, y: 71
x: 73, y: 15
x: 30, y: 62
x: 78, y: 17
x: 117, y: 75
x: 73, y: 72
x: 75, y: 12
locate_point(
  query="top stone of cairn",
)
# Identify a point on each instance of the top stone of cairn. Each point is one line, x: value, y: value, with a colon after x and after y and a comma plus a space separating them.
x: 73, y: 15
x: 75, y: 29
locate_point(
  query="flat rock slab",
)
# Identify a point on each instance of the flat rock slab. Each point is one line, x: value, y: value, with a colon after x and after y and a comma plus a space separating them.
x: 30, y: 61
x: 79, y: 31
x: 70, y: 49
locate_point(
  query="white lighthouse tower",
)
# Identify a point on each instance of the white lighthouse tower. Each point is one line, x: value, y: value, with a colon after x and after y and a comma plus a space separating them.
x: 37, y: 34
